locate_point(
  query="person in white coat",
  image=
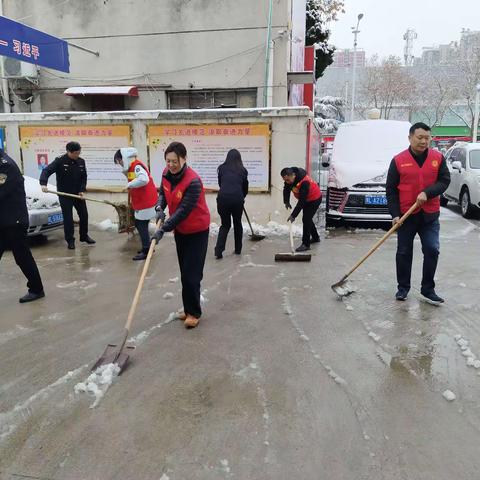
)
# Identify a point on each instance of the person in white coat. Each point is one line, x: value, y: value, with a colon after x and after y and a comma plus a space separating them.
x: 143, y: 194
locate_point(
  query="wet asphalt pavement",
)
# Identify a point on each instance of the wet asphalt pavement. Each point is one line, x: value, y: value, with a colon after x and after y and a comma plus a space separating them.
x: 281, y: 380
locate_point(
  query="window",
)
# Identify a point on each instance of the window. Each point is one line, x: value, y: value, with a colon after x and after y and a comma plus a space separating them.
x: 191, y: 99
x: 475, y: 159
x: 453, y: 155
x: 462, y: 157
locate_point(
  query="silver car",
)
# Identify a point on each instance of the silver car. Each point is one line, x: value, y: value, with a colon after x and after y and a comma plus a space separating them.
x: 44, y: 212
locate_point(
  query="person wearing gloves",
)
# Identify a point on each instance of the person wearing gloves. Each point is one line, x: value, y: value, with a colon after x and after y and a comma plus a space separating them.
x: 309, y: 197
x: 182, y: 190
x: 143, y: 194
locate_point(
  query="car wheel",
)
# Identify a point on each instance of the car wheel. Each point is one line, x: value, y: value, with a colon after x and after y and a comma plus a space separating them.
x: 465, y: 205
x: 443, y: 201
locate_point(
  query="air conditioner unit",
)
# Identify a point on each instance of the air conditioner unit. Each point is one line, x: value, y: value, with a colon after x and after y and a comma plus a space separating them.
x: 14, y: 68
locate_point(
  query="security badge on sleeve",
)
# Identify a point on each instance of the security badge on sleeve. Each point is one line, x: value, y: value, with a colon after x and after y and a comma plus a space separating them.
x: 3, y: 179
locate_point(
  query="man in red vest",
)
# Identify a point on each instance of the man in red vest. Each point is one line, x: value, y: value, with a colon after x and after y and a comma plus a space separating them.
x: 418, y: 174
x: 143, y: 194
x: 309, y: 197
x: 182, y: 190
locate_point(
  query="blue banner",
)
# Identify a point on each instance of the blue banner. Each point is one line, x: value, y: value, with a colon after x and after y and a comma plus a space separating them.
x: 33, y: 46
x: 2, y: 138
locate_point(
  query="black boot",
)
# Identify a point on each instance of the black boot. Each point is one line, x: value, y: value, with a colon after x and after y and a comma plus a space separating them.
x: 88, y: 240
x: 31, y: 297
x: 142, y: 255
x: 71, y: 245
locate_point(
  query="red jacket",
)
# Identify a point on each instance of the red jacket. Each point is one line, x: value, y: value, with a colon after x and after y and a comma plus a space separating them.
x: 414, y: 179
x: 198, y: 220
x: 314, y: 192
x: 142, y: 197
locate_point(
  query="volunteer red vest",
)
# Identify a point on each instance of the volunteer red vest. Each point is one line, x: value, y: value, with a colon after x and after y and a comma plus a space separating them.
x: 198, y: 219
x: 142, y: 197
x: 414, y: 179
x: 314, y: 192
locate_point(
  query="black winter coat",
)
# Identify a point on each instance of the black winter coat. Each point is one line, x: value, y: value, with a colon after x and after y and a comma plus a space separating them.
x: 71, y: 174
x: 13, y: 205
x: 233, y: 183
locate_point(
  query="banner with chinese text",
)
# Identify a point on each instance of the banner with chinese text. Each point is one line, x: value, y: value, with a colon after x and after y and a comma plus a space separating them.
x: 207, y: 147
x: 42, y: 144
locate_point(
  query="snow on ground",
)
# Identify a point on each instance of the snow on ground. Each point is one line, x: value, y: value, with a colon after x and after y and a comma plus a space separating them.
x: 272, y: 228
x: 470, y: 357
x: 449, y: 395
x: 142, y: 336
x: 9, y: 421
x: 173, y: 280
x: 83, y: 284
x: 98, y: 382
x: 18, y: 331
x: 106, y: 225
x: 167, y: 295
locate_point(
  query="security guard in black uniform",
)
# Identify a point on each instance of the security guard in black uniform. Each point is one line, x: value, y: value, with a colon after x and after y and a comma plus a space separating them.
x: 71, y: 178
x: 14, y: 225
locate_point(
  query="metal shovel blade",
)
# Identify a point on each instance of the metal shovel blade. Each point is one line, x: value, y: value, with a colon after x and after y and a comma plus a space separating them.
x: 256, y: 237
x: 342, y: 288
x: 110, y: 355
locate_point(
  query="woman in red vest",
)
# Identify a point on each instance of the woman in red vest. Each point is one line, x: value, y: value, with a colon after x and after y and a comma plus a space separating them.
x: 418, y: 174
x: 182, y: 190
x: 143, y: 194
x: 309, y: 197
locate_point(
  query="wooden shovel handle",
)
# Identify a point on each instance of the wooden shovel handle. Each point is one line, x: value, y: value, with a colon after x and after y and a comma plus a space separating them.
x: 136, y: 298
x: 292, y: 246
x: 71, y: 195
x: 384, y: 238
x: 248, y: 220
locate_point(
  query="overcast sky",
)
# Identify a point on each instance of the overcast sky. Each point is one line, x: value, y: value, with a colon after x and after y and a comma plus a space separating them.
x: 385, y: 22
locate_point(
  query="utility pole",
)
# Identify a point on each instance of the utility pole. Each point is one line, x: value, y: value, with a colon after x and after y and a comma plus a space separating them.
x: 267, y: 54
x: 475, y: 117
x: 355, y: 32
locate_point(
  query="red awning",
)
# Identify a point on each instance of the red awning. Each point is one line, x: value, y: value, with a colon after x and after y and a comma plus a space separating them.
x: 130, y: 91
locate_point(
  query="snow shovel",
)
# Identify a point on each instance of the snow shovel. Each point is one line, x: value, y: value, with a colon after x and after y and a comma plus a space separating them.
x: 114, y: 353
x: 255, y: 237
x: 124, y: 225
x: 293, y: 256
x: 341, y: 288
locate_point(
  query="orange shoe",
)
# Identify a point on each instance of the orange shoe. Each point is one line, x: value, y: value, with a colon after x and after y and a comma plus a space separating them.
x: 191, y: 322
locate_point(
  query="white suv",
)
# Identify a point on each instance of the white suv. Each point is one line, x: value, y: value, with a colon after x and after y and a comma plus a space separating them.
x: 463, y: 161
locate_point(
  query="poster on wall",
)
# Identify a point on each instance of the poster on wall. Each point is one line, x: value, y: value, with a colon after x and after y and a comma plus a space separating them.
x: 42, y: 144
x: 207, y: 147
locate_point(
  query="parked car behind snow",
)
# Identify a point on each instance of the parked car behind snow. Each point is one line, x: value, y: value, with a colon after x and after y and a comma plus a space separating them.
x: 463, y: 161
x: 361, y: 155
x: 44, y: 212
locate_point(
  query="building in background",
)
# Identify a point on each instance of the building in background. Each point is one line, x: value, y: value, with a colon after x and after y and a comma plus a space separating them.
x: 343, y: 58
x: 166, y: 54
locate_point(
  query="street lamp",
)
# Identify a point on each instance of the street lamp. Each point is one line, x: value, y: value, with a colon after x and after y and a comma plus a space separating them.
x: 475, y: 117
x: 355, y: 32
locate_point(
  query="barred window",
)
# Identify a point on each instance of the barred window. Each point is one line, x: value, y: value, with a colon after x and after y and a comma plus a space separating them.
x: 191, y: 99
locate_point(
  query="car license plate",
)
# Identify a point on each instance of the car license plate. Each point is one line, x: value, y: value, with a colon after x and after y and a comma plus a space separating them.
x: 375, y: 200
x: 56, y: 218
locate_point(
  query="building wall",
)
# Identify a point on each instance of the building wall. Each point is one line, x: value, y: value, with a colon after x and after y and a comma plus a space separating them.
x: 288, y: 145
x: 160, y: 45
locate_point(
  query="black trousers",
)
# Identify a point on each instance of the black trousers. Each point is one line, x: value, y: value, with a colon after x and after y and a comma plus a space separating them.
x: 309, y: 228
x: 15, y: 239
x: 191, y: 252
x: 67, y: 205
x: 142, y: 227
x: 229, y: 209
x: 429, y: 233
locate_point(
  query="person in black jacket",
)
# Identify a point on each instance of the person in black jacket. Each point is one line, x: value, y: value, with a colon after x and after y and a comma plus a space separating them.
x: 71, y: 175
x: 309, y: 197
x: 420, y: 175
x: 182, y: 190
x: 14, y: 225
x: 233, y: 183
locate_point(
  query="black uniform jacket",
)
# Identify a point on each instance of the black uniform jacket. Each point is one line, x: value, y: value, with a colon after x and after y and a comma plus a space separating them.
x: 71, y: 174
x: 13, y: 205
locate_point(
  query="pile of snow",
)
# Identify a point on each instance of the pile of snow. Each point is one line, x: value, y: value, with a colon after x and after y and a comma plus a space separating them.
x: 36, y: 199
x: 167, y: 295
x: 449, y: 395
x: 173, y: 280
x: 107, y: 225
x: 471, y: 358
x: 272, y: 229
x: 98, y: 382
